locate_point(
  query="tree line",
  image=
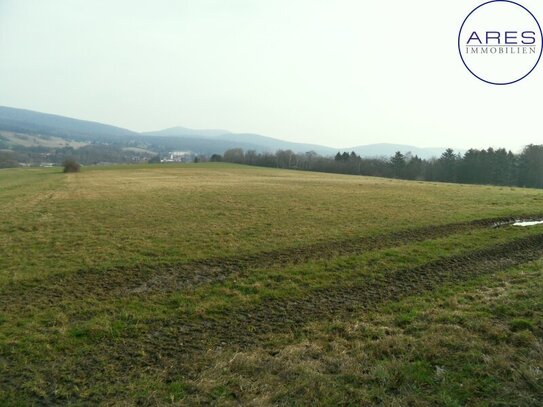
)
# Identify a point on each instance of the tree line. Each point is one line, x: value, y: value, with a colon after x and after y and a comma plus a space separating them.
x: 487, y: 166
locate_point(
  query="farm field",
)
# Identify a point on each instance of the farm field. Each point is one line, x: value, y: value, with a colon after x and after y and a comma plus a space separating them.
x: 225, y: 284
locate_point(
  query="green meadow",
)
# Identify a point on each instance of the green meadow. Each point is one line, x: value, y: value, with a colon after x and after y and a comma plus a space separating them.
x: 233, y: 285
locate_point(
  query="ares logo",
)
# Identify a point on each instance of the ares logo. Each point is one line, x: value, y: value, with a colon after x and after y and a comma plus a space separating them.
x: 500, y: 42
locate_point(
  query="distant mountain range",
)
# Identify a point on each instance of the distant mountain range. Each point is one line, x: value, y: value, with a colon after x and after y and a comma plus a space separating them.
x: 16, y: 123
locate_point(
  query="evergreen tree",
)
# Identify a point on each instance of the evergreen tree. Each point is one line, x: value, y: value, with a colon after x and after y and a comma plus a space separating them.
x: 398, y: 164
x: 531, y: 166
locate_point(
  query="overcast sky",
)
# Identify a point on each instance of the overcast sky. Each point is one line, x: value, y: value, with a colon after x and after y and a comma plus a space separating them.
x: 333, y: 72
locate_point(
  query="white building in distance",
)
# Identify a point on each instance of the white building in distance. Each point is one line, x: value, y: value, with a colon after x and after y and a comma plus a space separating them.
x: 178, y: 157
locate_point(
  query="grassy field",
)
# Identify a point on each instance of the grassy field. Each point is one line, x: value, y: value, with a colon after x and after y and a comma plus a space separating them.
x: 223, y: 284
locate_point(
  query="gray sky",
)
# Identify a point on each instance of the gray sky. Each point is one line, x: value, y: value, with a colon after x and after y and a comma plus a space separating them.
x: 333, y: 72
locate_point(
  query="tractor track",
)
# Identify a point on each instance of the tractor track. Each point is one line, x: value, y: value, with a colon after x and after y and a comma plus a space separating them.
x: 144, y: 280
x: 246, y: 327
x: 175, y: 347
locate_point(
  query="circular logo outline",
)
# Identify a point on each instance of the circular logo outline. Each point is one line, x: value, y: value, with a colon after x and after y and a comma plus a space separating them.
x: 462, y: 27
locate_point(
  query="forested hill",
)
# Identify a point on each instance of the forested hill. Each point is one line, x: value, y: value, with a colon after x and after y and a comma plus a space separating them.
x: 27, y: 121
x: 29, y: 133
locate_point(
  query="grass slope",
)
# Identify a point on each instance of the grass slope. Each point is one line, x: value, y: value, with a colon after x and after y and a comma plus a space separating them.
x: 197, y: 284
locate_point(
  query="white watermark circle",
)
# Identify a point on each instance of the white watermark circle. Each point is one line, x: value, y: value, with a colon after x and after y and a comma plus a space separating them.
x: 500, y: 42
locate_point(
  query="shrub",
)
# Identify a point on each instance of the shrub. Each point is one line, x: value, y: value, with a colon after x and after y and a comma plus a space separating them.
x: 70, y: 165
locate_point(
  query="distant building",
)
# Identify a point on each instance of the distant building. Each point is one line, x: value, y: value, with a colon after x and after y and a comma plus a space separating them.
x: 178, y: 157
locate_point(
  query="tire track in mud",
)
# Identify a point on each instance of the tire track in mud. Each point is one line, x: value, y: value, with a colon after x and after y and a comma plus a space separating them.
x: 247, y: 326
x: 142, y: 280
x: 176, y: 347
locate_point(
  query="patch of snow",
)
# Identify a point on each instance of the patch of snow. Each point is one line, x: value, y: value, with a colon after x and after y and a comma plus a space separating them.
x: 528, y: 223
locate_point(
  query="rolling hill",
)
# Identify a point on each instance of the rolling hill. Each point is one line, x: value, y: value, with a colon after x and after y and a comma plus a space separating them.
x: 30, y: 122
x: 42, y: 126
